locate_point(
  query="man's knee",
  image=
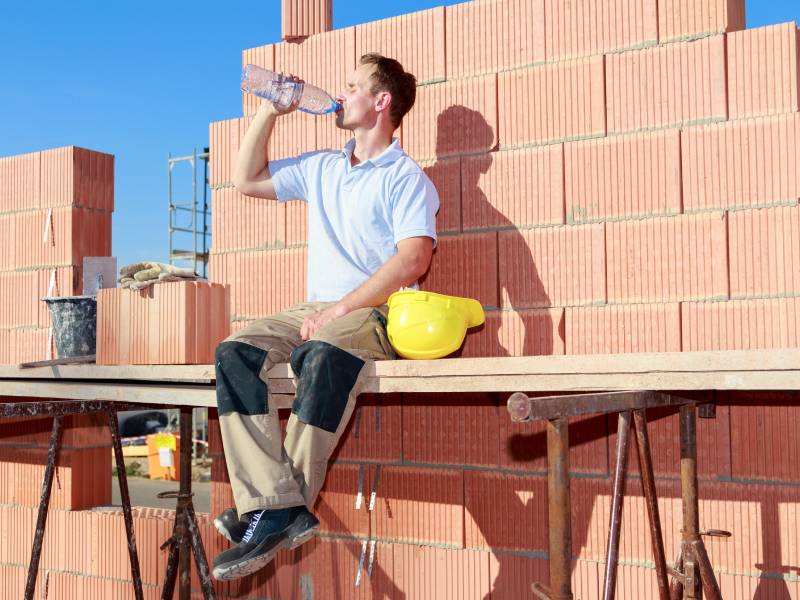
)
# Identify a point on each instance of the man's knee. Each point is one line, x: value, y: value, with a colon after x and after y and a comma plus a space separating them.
x: 239, y: 386
x: 326, y: 377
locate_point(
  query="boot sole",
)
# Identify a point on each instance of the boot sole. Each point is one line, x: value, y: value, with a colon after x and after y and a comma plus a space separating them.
x: 249, y: 566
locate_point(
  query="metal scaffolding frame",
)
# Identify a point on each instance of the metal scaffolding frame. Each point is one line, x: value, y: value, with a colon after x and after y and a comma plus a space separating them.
x: 198, y: 228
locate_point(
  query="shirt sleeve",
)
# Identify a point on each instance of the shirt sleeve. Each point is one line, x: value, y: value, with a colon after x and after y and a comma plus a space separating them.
x: 414, y: 207
x: 290, y: 176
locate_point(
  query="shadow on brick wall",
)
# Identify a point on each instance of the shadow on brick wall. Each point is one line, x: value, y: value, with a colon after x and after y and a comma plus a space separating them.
x: 472, y: 272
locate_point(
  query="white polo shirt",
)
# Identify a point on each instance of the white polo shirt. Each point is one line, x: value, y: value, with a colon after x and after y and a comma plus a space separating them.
x: 356, y: 215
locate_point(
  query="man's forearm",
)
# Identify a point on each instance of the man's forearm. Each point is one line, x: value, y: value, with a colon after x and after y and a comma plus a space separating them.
x: 395, y: 273
x: 252, y: 158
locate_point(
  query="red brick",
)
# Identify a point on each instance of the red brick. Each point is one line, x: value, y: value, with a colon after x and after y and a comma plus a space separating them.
x: 427, y: 573
x: 262, y: 283
x: 302, y: 18
x: 503, y: 511
x: 623, y: 176
x: 741, y: 163
x: 668, y: 85
x: 240, y: 222
x: 517, y: 333
x: 465, y: 265
x: 20, y: 293
x: 416, y: 40
x: 763, y: 427
x: 512, y: 575
x: 375, y: 432
x: 159, y: 325
x: 763, y: 74
x: 73, y: 176
x: 82, y: 478
x: 584, y: 27
x: 445, y: 174
x: 419, y: 506
x: 451, y: 430
x: 623, y: 328
x: 561, y: 266
x: 337, y: 507
x: 515, y: 188
x: 19, y: 182
x: 450, y: 118
x: 296, y: 223
x: 764, y: 251
x: 494, y: 35
x: 692, y: 18
x: 293, y: 134
x: 667, y: 259
x: 552, y: 102
x: 13, y: 580
x: 741, y: 324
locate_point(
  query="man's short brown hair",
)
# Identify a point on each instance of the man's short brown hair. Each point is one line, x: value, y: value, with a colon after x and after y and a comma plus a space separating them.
x: 390, y: 76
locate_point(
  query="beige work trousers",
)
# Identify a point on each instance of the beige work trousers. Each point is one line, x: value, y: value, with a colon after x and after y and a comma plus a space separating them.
x: 265, y: 471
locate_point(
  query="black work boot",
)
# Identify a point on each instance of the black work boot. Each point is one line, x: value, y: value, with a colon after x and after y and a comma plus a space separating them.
x: 230, y: 525
x: 267, y: 532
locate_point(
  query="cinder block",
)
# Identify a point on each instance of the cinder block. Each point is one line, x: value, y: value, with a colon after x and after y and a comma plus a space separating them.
x: 451, y: 118
x: 513, y: 188
x: 416, y: 40
x: 678, y: 19
x: 445, y: 174
x: 584, y: 27
x: 494, y: 35
x: 617, y: 329
x: 419, y: 506
x: 741, y: 324
x: 465, y: 265
x: 763, y: 75
x: 553, y: 102
x: 671, y: 85
x: 505, y: 512
x: 668, y: 259
x: 741, y: 163
x: 563, y: 266
x: 613, y: 177
x: 764, y: 251
x: 517, y: 333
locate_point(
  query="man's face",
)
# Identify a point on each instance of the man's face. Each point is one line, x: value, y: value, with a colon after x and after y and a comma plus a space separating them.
x: 357, y: 100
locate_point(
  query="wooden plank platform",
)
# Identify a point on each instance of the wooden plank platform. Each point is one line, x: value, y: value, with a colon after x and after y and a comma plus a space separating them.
x: 194, y: 384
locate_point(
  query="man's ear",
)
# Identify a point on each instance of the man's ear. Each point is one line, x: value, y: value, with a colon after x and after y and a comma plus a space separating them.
x: 383, y: 101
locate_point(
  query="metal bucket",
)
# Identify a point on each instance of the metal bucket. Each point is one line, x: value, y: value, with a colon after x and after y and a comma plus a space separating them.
x: 74, y: 324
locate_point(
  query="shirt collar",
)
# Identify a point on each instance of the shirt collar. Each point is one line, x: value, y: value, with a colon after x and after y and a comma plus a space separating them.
x: 391, y: 154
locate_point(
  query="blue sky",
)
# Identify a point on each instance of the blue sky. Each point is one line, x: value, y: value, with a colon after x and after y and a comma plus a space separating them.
x: 142, y: 80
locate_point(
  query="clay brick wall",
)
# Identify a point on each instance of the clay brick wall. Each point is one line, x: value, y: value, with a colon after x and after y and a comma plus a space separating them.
x: 55, y: 208
x: 615, y: 176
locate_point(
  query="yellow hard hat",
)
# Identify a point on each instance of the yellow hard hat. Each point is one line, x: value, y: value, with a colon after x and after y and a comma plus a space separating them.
x: 425, y: 325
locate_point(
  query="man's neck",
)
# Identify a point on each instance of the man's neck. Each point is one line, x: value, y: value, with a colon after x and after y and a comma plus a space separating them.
x: 369, y: 144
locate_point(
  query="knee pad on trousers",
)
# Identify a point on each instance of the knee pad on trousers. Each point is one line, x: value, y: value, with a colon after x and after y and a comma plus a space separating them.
x: 239, y: 388
x: 325, y: 377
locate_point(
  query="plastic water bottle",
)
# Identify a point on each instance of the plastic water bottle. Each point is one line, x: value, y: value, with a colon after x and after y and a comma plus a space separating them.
x: 278, y: 88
